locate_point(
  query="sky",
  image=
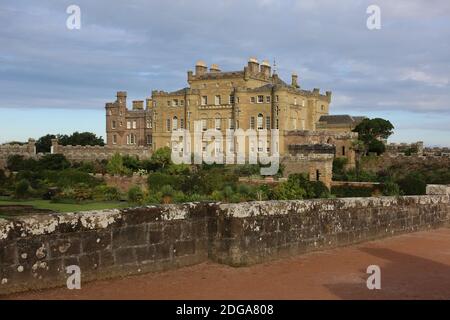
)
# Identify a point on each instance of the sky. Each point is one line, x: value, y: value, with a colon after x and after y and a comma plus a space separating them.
x: 57, y: 80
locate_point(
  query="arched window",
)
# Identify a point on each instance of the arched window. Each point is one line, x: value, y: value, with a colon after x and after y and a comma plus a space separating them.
x: 260, y: 121
x: 175, y: 123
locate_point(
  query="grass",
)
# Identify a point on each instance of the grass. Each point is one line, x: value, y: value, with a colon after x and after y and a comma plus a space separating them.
x: 66, y: 207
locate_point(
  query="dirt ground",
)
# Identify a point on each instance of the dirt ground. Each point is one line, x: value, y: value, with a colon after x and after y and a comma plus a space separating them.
x: 413, y: 266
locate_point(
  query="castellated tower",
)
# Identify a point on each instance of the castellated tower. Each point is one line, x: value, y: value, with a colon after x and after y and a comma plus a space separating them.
x: 128, y: 127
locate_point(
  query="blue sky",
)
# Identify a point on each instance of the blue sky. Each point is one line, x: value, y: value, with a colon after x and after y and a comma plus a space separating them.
x: 55, y: 80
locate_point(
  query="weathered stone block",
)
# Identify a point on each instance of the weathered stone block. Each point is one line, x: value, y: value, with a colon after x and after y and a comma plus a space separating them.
x: 130, y: 236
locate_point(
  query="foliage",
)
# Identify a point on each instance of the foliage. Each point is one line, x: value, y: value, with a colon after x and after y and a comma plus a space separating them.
x: 135, y: 195
x: 390, y: 188
x: 106, y: 193
x: 81, y: 138
x: 44, y: 143
x: 350, y: 191
x: 413, y: 184
x: 22, y: 189
x: 161, y: 158
x: 116, y: 166
x: 371, y: 132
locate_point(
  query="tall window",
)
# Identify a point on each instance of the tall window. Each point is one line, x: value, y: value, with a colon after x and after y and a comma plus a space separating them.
x: 131, y: 138
x: 175, y: 123
x: 114, y: 140
x: 204, y: 125
x: 260, y: 99
x: 128, y: 124
x: 217, y: 123
x: 149, y: 139
x: 204, y: 100
x: 217, y: 100
x: 149, y: 124
x: 252, y: 100
x: 268, y: 99
x: 260, y: 121
x: 113, y: 124
x: 267, y: 122
x: 134, y: 124
x: 181, y: 123
x: 168, y: 124
x: 231, y: 100
x: 252, y: 122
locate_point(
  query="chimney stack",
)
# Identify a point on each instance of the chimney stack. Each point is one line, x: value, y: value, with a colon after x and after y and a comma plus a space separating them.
x: 265, y: 69
x: 200, y: 68
x: 253, y: 66
x: 214, y: 68
x: 294, y: 81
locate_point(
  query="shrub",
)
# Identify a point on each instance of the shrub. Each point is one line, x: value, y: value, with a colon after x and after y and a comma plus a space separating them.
x: 22, y: 189
x: 390, y: 188
x: 135, y: 195
x: 347, y: 191
x: 413, y: 184
x: 53, y: 162
x: 106, y: 193
x: 157, y: 180
x: 115, y: 166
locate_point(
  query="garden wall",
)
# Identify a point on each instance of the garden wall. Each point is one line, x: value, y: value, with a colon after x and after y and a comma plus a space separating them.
x: 35, y: 250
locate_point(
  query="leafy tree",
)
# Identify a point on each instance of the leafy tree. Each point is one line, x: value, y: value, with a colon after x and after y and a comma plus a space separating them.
x: 371, y: 132
x: 53, y: 162
x: 22, y: 189
x: 44, y: 143
x: 131, y: 162
x: 81, y: 138
x: 161, y: 157
x: 413, y: 184
x: 135, y: 195
x: 115, y: 165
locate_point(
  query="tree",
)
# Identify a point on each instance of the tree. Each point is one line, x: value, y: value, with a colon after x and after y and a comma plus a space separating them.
x: 115, y: 165
x: 81, y: 138
x: 44, y: 143
x: 54, y: 162
x: 161, y: 157
x: 372, y: 131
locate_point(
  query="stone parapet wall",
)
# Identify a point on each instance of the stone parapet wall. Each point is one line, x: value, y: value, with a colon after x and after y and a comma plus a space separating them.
x: 27, y: 150
x: 92, y: 153
x: 35, y: 250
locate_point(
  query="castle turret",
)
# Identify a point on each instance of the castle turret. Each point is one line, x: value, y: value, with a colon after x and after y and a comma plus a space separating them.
x: 122, y: 97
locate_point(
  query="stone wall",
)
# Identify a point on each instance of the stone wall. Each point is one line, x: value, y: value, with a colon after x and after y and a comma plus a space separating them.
x: 124, y: 183
x: 342, y: 141
x: 27, y: 150
x: 92, y: 153
x: 316, y: 166
x: 35, y: 250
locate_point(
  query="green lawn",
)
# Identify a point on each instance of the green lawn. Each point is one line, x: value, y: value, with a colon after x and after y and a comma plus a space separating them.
x: 65, y: 207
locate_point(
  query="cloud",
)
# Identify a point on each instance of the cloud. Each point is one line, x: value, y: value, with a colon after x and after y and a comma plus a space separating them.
x: 142, y: 45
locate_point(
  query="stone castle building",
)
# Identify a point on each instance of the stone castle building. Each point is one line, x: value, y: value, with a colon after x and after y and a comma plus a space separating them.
x: 252, y: 98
